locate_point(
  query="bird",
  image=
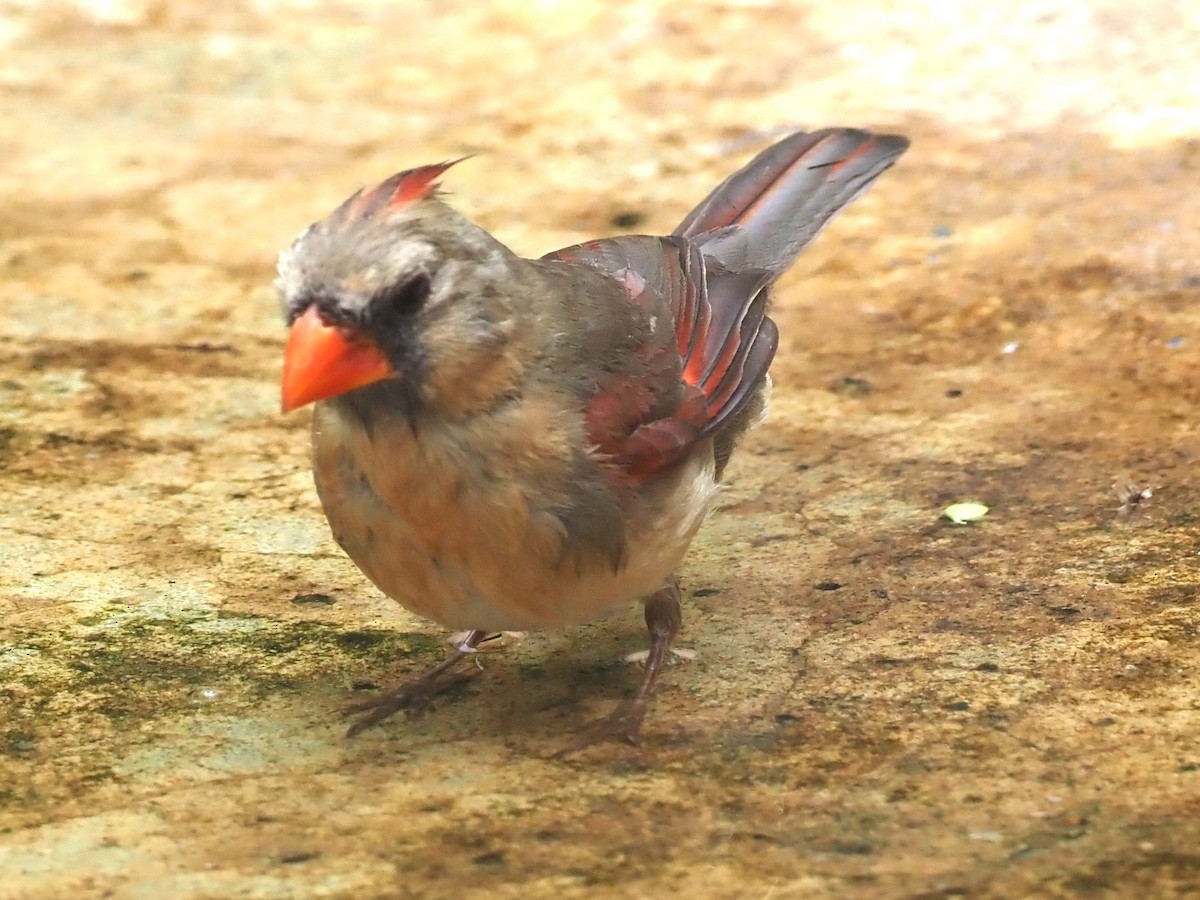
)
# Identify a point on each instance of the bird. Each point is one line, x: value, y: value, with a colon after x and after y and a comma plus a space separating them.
x: 511, y: 444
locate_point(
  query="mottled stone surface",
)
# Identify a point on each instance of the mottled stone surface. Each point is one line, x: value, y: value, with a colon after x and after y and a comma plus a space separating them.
x: 883, y: 704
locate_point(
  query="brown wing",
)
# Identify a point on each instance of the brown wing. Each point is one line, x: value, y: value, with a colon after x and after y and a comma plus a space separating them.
x: 723, y: 347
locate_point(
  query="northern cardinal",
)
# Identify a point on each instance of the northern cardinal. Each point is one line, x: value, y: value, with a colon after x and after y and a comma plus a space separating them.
x: 503, y: 443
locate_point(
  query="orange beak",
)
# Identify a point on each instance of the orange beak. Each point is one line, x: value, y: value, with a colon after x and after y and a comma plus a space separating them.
x: 320, y: 362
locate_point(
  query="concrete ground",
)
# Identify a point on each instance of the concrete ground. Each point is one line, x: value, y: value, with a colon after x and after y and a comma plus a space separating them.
x: 883, y: 704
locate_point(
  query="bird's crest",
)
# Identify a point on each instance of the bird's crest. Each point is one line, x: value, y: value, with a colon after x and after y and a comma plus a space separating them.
x: 402, y: 189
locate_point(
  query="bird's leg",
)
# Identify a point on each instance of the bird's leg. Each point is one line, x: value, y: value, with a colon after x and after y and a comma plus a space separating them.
x: 663, y: 620
x: 413, y: 695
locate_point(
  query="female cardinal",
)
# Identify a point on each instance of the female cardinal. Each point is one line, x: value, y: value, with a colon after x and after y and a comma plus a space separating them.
x: 508, y: 443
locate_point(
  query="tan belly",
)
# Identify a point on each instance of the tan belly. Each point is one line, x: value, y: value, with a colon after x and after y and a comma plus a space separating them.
x: 482, y: 556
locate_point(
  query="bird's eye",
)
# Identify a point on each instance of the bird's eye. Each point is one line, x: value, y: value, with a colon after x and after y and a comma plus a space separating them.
x: 408, y: 296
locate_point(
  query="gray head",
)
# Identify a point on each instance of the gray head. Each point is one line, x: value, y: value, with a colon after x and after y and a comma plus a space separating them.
x: 392, y: 292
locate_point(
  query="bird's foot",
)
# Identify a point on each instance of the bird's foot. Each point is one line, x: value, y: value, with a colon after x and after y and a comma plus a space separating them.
x: 663, y: 617
x: 414, y: 696
x: 495, y: 640
x: 674, y: 655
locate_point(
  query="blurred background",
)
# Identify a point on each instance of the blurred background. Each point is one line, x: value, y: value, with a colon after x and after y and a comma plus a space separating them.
x: 882, y: 704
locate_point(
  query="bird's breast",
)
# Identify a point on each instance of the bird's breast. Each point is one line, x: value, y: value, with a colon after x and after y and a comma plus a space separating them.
x: 451, y: 541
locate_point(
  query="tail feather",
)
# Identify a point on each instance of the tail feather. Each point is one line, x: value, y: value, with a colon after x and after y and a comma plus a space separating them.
x: 763, y: 215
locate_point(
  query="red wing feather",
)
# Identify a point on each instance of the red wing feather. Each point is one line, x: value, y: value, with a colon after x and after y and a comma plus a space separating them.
x: 655, y: 446
x: 730, y: 297
x: 721, y: 352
